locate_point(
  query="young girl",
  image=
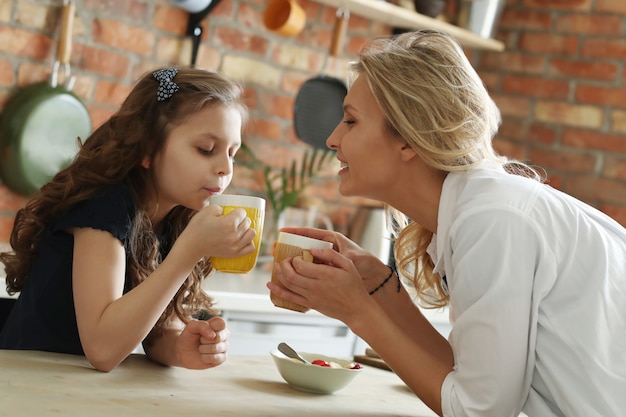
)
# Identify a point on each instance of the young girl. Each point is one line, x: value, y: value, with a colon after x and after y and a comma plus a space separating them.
x: 112, y: 251
x: 535, y: 280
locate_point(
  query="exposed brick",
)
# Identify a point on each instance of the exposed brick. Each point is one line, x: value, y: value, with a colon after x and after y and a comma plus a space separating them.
x: 569, y: 114
x: 563, y: 160
x: 130, y: 9
x: 525, y: 131
x: 559, y: 4
x: 5, y: 11
x: 618, y: 213
x: 239, y: 40
x: 527, y: 80
x: 37, y: 16
x: 250, y: 17
x: 510, y: 149
x: 111, y: 93
x: 548, y: 43
x: 491, y: 79
x: 265, y: 128
x: 251, y: 71
x: 513, y: 61
x: 122, y: 36
x: 292, y: 81
x: 589, y: 24
x: 7, y: 74
x: 525, y: 20
x: 597, y: 189
x: 603, y: 48
x: 602, y: 71
x: 605, y: 96
x: 278, y: 105
x: 618, y: 121
x: 513, y: 106
x: 28, y: 73
x: 100, y: 61
x: 535, y: 86
x: 25, y: 44
x: 614, y: 168
x: 593, y: 140
x: 170, y: 19
x: 177, y: 51
x: 610, y: 6
x: 99, y: 115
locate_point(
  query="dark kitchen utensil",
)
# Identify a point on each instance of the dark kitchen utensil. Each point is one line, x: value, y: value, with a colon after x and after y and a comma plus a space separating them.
x: 194, y: 28
x: 41, y: 124
x: 318, y: 108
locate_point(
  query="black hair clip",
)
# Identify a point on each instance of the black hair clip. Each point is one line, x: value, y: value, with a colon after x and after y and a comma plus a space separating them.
x: 167, y: 87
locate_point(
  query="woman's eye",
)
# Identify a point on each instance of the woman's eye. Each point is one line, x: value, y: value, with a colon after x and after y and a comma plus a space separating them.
x: 348, y: 122
x: 204, y: 151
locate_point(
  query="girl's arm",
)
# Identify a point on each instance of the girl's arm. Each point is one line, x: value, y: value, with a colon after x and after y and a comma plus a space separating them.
x: 111, y: 325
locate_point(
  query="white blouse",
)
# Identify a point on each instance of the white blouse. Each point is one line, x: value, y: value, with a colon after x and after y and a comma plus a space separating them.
x: 537, y: 284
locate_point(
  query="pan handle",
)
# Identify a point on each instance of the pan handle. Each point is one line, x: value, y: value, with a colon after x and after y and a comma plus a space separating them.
x: 339, y: 31
x: 64, y: 47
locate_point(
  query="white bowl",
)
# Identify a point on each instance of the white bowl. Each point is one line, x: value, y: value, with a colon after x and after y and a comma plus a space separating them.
x: 314, y: 378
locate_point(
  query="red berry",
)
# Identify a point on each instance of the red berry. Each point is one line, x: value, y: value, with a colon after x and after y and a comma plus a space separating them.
x: 321, y: 362
x: 356, y: 366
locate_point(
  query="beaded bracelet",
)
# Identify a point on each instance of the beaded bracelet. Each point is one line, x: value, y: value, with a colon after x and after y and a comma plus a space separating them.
x: 392, y: 270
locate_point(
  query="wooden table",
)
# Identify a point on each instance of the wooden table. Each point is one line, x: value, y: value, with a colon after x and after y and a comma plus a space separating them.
x: 41, y: 384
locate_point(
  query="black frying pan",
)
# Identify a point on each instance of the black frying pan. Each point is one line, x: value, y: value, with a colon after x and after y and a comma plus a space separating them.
x: 40, y: 125
x: 318, y: 108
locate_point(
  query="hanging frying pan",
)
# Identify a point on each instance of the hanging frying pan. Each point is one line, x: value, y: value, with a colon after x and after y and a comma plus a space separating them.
x: 40, y: 125
x: 318, y: 108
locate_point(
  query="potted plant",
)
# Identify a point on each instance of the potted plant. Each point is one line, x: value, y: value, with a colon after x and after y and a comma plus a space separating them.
x: 284, y: 186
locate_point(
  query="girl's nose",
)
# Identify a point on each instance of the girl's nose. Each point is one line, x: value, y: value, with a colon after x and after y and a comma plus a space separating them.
x: 225, y: 166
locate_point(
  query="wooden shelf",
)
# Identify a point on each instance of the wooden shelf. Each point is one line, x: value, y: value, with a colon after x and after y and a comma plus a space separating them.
x: 395, y: 16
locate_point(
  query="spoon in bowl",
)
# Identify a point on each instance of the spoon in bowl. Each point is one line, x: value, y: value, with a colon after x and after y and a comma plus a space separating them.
x: 287, y: 350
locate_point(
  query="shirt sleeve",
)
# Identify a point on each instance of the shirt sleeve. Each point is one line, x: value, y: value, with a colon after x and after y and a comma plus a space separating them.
x: 112, y: 210
x: 490, y: 272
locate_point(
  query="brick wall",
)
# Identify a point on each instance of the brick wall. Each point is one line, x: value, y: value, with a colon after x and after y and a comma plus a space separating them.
x: 560, y: 84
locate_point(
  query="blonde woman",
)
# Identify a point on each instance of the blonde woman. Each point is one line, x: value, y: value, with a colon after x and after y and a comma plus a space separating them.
x: 534, y: 279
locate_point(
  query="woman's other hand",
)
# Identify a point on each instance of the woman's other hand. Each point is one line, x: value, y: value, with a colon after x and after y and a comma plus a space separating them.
x: 370, y: 267
x: 333, y: 287
x: 203, y: 344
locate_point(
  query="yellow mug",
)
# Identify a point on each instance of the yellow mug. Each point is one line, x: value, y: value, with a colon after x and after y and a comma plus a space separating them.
x: 290, y: 245
x: 255, y: 211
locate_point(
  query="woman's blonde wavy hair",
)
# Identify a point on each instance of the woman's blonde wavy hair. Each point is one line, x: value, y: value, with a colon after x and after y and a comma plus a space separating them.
x: 434, y: 101
x: 113, y: 154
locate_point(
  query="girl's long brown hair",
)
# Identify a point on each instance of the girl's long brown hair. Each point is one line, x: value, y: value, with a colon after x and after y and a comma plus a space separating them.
x: 112, y: 155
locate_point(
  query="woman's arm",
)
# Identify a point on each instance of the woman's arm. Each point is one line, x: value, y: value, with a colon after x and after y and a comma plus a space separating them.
x: 389, y: 322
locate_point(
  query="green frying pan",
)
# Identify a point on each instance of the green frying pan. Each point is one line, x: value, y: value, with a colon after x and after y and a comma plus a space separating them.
x: 40, y: 125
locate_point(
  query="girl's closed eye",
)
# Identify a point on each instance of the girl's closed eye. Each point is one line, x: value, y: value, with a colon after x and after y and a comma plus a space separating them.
x: 205, y: 151
x: 348, y: 121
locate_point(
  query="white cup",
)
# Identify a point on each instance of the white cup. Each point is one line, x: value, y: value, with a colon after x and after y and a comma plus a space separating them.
x: 289, y: 245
